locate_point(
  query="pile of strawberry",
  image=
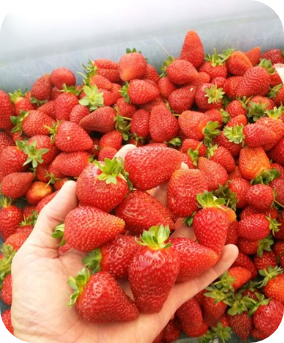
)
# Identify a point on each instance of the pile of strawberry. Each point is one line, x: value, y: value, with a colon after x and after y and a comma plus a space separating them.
x: 209, y: 131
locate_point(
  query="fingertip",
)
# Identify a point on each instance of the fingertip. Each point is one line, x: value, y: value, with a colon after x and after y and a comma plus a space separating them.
x: 124, y: 150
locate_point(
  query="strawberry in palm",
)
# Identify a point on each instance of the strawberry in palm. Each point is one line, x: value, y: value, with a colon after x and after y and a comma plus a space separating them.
x: 98, y: 298
x: 153, y: 270
x: 102, y: 185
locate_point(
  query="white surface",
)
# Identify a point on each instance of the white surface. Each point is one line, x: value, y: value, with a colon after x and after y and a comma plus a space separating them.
x: 33, y: 42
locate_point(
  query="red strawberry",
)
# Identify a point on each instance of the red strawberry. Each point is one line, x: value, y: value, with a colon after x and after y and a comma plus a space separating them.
x: 111, y: 139
x: 214, y: 172
x: 166, y: 87
x: 255, y: 81
x: 214, y: 66
x: 268, y: 259
x: 163, y: 125
x: 222, y: 140
x: 192, y: 49
x: 151, y: 73
x: 194, y: 258
x: 239, y: 276
x: 218, y: 115
x: 10, y: 218
x: 182, y: 99
x: 222, y: 156
x: 101, y: 120
x: 273, y: 283
x: 132, y: 65
x: 6, y: 291
x: 7, y: 321
x: 42, y: 88
x: 210, y: 225
x: 232, y: 236
x: 139, y: 125
x: 6, y: 111
x: 71, y: 163
x: 62, y: 76
x: 150, y: 166
x: 15, y: 185
x: 37, y: 191
x: 278, y: 186
x: 254, y: 55
x: 114, y: 257
x: 240, y: 186
x: 260, y: 197
x: 125, y: 109
x: 87, y: 228
x: 139, y: 92
x: 21, y: 102
x: 106, y: 68
x: 48, y: 108
x: 70, y: 137
x: 12, y: 160
x: 243, y: 260
x: 241, y: 324
x: 235, y: 108
x: 183, y: 187
x: 190, y: 315
x: 172, y: 331
x: 238, y: 63
x: 213, y: 310
x: 100, y: 81
x: 140, y: 211
x: 41, y: 149
x: 181, y: 72
x: 230, y: 86
x: 64, y: 104
x: 254, y: 227
x: 273, y: 55
x: 5, y: 140
x: 111, y: 305
x: 153, y: 270
x: 102, y: 178
x: 208, y: 96
x: 193, y: 144
x: 277, y: 152
x: 78, y: 112
x: 107, y: 152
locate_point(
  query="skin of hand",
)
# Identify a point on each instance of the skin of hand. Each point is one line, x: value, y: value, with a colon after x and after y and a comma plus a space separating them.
x: 41, y: 291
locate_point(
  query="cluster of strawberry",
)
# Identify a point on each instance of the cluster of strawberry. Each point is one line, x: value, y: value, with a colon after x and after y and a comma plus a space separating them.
x: 209, y: 132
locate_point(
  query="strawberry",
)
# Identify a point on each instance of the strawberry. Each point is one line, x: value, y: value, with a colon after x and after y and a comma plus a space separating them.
x: 125, y: 109
x: 218, y: 115
x: 213, y: 310
x: 201, y: 78
x: 78, y: 112
x: 255, y: 81
x: 40, y: 149
x: 150, y: 166
x: 166, y: 87
x: 48, y: 108
x: 210, y: 224
x: 254, y: 163
x: 254, y: 227
x: 101, y: 120
x: 257, y: 106
x: 44, y: 201
x: 139, y: 125
x: 238, y: 276
x: 140, y: 211
x: 132, y: 65
x: 106, y: 152
x: 6, y: 291
x: 243, y: 260
x: 273, y: 283
x: 235, y: 108
x: 100, y: 81
x: 5, y: 140
x: 189, y: 315
x: 163, y: 125
x: 111, y: 139
x: 241, y: 324
x: 268, y: 259
x: 260, y: 197
x: 64, y: 104
x: 275, y: 125
x: 222, y: 156
x: 254, y: 55
x: 7, y: 321
x: 62, y: 76
x: 194, y: 258
x: 71, y: 163
x: 151, y: 73
x: 6, y: 111
x: 12, y: 160
x: 240, y: 186
x: 208, y: 96
x: 106, y: 68
x: 238, y: 63
x: 102, y: 178
x: 15, y: 185
x: 268, y: 317
x: 172, y: 331
x: 230, y: 86
x: 276, y: 153
x: 183, y: 187
x: 139, y: 92
x: 214, y: 172
x: 153, y: 270
x: 10, y: 218
x: 37, y: 191
x: 273, y: 55
x: 111, y: 305
x: 214, y: 65
x: 114, y: 256
x: 232, y: 236
x: 182, y: 99
x: 278, y: 187
x: 70, y: 137
x: 42, y: 88
x: 192, y: 49
x: 181, y: 72
x: 193, y: 144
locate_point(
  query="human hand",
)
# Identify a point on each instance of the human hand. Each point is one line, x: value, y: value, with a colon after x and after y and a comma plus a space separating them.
x: 40, y: 274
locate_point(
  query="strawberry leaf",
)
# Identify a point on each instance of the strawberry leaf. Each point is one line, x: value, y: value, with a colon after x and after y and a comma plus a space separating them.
x: 77, y: 284
x: 155, y: 238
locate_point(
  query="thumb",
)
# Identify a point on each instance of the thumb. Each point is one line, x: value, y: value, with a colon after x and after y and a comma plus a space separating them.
x: 54, y: 213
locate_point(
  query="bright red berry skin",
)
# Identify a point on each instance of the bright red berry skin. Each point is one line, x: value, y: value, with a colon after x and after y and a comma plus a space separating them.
x: 61, y: 76
x: 254, y: 227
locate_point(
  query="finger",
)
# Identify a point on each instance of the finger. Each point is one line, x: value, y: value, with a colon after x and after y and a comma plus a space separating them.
x: 124, y: 150
x: 51, y: 215
x: 160, y: 193
x: 184, y: 231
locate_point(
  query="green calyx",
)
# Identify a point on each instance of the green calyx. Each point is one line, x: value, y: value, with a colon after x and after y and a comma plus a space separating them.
x: 16, y: 95
x: 93, y: 98
x: 5, y: 201
x: 255, y: 110
x: 215, y: 59
x: 17, y: 121
x: 225, y: 193
x: 176, y: 142
x: 276, y: 112
x: 6, y: 262
x: 235, y: 134
x: 111, y: 170
x: 227, y: 53
x: 274, y: 91
x: 77, y: 284
x: 240, y: 304
x: 269, y: 274
x: 90, y: 70
x: 37, y: 102
x: 30, y: 220
x: 214, y: 94
x: 165, y: 65
x: 267, y: 64
x: 266, y: 177
x: 122, y: 124
x: 218, y: 332
x: 211, y: 131
x: 155, y: 238
x: 274, y: 225
x: 261, y: 300
x: 124, y: 92
x: 264, y: 245
x: 225, y: 116
x: 58, y: 233
x: 225, y: 282
x: 207, y: 199
x: 189, y: 220
x: 34, y: 155
x: 129, y: 51
x: 93, y: 260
